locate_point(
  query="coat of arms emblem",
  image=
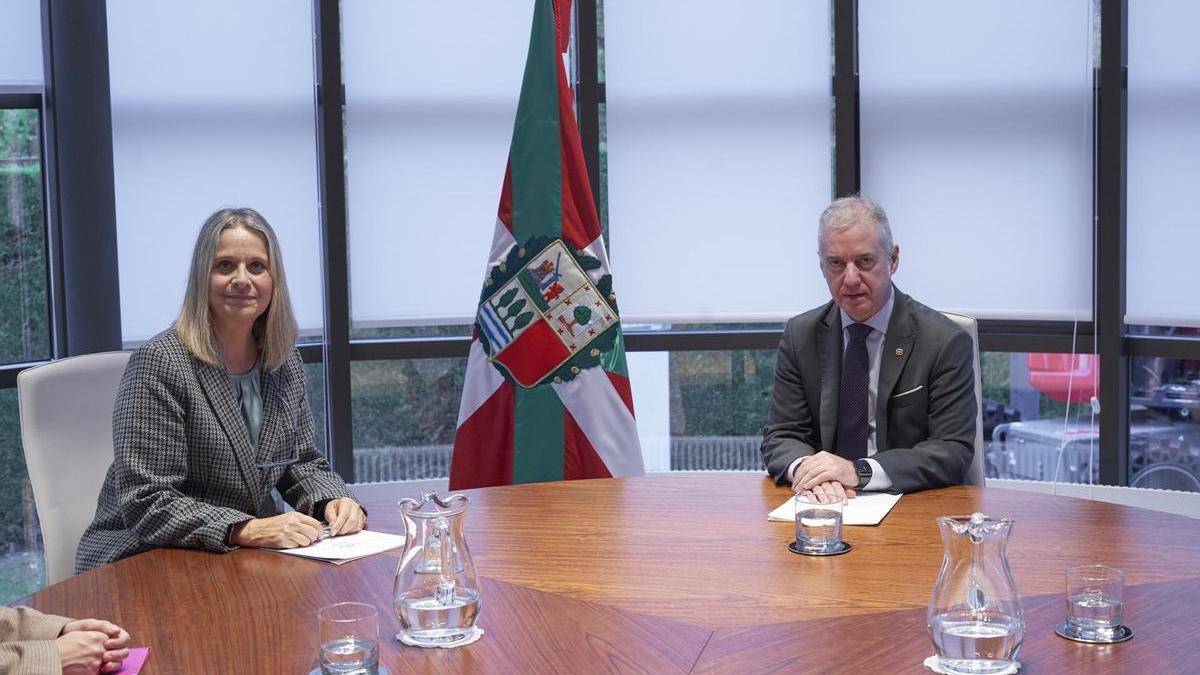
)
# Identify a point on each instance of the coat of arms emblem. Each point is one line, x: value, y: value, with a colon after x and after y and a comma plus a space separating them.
x: 545, y: 311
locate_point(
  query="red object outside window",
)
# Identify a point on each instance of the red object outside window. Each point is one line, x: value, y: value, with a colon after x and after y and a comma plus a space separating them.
x: 1071, y: 378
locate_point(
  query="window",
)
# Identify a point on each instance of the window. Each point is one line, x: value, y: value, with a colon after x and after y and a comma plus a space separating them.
x: 1164, y: 139
x: 1164, y: 423
x: 24, y: 308
x: 24, y: 336
x: 22, y: 569
x: 405, y: 416
x: 315, y: 380
x: 718, y: 405
x: 24, y: 300
x: 1037, y: 421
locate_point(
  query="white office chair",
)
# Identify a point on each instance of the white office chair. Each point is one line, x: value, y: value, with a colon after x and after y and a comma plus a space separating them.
x: 969, y: 324
x: 66, y: 429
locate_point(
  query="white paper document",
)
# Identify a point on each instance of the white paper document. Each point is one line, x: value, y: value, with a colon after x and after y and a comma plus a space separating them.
x: 867, y: 508
x: 345, y: 548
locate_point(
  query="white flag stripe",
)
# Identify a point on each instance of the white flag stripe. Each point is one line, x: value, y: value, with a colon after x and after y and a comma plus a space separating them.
x: 501, y: 242
x: 479, y: 382
x: 597, y: 251
x: 602, y: 416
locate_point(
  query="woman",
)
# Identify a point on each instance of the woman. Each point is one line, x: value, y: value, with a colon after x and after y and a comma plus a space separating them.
x: 32, y: 642
x: 211, y: 415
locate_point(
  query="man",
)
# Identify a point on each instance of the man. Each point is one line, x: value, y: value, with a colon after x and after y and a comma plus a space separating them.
x: 873, y: 390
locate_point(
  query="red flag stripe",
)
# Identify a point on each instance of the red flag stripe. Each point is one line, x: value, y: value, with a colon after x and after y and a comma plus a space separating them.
x: 580, y: 222
x: 562, y: 24
x: 621, y: 384
x: 506, y: 205
x: 483, y: 445
x: 580, y: 459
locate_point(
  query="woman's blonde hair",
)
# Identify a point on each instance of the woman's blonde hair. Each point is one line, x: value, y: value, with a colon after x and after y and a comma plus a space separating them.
x: 275, y: 331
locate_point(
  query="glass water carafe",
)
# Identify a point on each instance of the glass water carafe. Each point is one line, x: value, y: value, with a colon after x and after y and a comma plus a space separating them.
x: 436, y: 590
x: 975, y: 616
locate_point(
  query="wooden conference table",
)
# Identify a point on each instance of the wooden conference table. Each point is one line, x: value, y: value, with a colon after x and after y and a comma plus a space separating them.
x: 665, y: 574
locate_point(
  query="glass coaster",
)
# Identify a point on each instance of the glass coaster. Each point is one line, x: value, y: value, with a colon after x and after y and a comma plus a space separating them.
x: 1066, y: 630
x: 381, y: 671
x: 841, y: 548
x: 933, y: 664
x: 469, y: 635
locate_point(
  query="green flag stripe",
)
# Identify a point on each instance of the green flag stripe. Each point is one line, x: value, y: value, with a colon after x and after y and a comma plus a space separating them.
x: 614, y: 359
x: 536, y: 164
x: 538, y: 435
x: 535, y: 156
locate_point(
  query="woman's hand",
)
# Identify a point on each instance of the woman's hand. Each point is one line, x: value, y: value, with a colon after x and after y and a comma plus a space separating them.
x: 287, y: 530
x: 92, y: 646
x: 344, y: 516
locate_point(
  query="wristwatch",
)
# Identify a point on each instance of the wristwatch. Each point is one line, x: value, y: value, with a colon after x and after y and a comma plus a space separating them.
x: 863, y: 468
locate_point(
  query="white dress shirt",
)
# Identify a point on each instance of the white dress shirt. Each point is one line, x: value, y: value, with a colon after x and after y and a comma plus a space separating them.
x: 878, y: 323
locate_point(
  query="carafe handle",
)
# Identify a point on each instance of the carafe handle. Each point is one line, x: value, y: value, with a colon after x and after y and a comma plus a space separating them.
x: 445, y: 588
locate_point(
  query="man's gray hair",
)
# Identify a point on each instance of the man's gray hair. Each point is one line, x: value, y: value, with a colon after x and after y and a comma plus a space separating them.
x: 275, y: 331
x: 848, y: 212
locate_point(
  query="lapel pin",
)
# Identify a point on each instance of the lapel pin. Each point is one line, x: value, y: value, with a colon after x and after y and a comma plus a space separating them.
x: 899, y: 351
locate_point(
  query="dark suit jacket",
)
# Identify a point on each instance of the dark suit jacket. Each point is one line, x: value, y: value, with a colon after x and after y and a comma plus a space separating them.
x: 925, y: 408
x: 184, y: 470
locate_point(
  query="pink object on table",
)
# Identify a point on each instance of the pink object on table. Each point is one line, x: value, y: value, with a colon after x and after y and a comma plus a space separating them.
x: 134, y: 662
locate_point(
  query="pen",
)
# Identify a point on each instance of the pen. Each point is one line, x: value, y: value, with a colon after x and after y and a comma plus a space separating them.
x: 325, y: 533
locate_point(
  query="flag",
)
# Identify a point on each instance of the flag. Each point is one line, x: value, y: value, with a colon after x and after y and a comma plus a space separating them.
x: 546, y: 395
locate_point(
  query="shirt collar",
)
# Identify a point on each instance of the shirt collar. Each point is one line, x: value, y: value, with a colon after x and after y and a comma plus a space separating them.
x: 879, y: 320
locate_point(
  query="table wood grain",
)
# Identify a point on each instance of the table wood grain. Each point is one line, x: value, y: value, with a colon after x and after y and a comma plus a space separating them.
x: 668, y: 573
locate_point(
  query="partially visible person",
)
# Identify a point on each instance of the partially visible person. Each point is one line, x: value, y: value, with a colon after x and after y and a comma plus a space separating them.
x: 212, y: 416
x: 32, y: 643
x: 873, y: 390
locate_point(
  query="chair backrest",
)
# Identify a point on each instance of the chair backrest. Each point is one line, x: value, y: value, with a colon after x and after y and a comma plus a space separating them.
x: 975, y: 473
x: 66, y: 430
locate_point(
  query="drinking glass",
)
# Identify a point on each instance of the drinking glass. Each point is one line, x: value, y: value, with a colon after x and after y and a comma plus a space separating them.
x: 818, y: 526
x: 349, y: 639
x: 1094, y: 601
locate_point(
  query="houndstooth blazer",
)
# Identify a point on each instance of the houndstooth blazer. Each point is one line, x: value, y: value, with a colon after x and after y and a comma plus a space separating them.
x: 184, y: 471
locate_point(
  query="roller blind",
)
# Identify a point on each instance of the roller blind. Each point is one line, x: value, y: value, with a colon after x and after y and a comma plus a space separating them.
x: 431, y: 94
x: 21, y: 42
x: 977, y: 138
x: 1164, y: 163
x: 213, y: 105
x: 719, y: 157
